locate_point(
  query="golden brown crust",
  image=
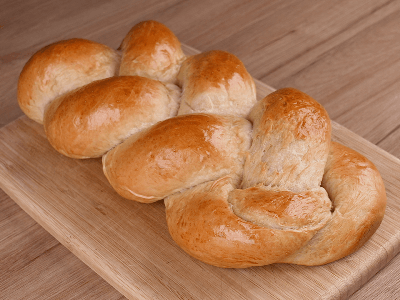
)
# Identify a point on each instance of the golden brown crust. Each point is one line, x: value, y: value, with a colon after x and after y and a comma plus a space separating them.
x: 176, y: 154
x: 358, y: 195
x: 290, y: 110
x: 152, y: 50
x: 281, y: 209
x: 291, y: 138
x: 227, y: 227
x: 216, y: 82
x: 62, y: 67
x: 221, y: 225
x: 202, y: 223
x: 235, y: 196
x: 91, y: 120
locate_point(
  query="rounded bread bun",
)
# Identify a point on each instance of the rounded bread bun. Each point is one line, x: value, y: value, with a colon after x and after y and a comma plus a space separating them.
x: 62, y: 67
x: 152, y: 50
x: 90, y: 120
x: 216, y: 82
x: 291, y: 138
x: 176, y: 154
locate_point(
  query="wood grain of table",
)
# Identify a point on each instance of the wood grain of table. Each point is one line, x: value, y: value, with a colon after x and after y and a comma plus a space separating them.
x: 346, y: 54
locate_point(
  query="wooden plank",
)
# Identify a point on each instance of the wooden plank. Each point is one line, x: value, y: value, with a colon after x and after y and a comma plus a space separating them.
x: 34, y: 265
x: 128, y: 244
x: 387, y: 279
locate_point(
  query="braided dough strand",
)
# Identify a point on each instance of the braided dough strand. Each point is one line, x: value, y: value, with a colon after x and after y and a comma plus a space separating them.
x: 202, y: 222
x: 281, y: 206
x: 358, y: 196
x: 150, y: 49
x: 62, y: 67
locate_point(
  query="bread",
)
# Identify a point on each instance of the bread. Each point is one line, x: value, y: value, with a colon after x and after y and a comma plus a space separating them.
x: 59, y: 68
x: 176, y: 154
x: 291, y: 140
x: 235, y: 201
x: 85, y: 116
x: 358, y: 198
x: 91, y: 120
x: 151, y: 50
x: 244, y: 183
x: 205, y: 223
x: 216, y: 82
x: 282, y: 214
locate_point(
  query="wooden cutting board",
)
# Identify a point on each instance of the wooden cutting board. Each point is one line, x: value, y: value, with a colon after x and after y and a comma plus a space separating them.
x: 128, y: 243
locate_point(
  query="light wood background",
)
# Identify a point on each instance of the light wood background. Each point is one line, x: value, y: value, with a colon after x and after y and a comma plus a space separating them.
x: 346, y: 54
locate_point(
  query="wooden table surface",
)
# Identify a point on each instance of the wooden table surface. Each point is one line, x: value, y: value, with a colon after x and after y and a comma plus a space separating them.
x: 346, y: 54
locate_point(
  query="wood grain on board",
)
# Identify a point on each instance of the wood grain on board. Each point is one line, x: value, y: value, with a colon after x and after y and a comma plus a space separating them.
x: 29, y: 256
x: 343, y: 53
x: 128, y: 243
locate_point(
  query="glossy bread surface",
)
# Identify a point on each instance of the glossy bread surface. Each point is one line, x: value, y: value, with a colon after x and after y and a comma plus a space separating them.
x: 62, y: 67
x: 176, y: 154
x: 291, y: 138
x: 91, y: 120
x: 358, y: 198
x: 152, y: 50
x: 282, y: 214
x: 202, y: 222
x: 216, y: 82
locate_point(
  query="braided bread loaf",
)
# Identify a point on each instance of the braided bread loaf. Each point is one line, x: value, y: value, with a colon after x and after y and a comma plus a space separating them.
x: 245, y: 183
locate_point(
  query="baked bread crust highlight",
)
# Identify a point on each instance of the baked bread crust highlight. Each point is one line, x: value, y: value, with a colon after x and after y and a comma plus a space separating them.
x: 91, y: 120
x: 216, y: 82
x: 59, y: 68
x: 151, y: 49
